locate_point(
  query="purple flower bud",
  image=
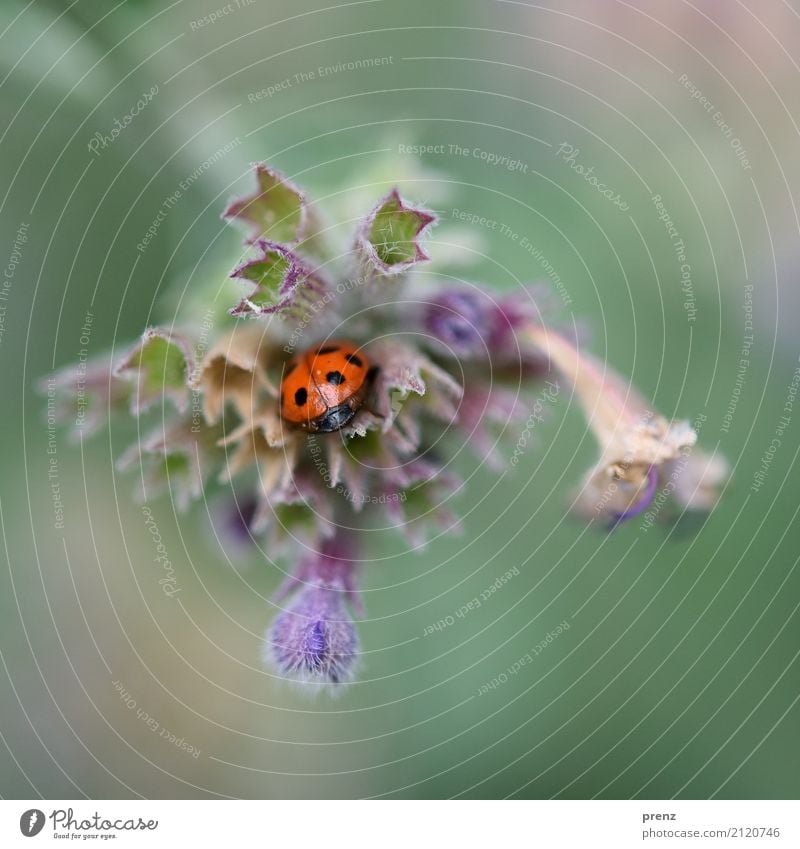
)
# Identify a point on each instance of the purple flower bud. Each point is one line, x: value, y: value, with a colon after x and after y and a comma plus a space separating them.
x: 314, y: 639
x: 462, y: 320
x: 480, y: 325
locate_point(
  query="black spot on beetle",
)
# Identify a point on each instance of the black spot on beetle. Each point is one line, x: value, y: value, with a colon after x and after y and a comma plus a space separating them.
x: 355, y: 360
x: 328, y: 350
x: 301, y: 396
x: 335, y: 377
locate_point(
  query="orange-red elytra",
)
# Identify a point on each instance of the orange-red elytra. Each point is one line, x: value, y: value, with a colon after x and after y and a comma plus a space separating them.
x: 324, y: 387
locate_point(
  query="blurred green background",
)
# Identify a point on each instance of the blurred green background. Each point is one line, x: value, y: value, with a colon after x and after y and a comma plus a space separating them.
x: 678, y: 675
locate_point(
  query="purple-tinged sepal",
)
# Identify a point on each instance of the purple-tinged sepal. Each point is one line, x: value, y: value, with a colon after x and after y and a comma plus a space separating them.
x: 275, y: 210
x: 160, y: 366
x: 176, y: 458
x: 390, y: 239
x: 408, y: 384
x: 499, y: 423
x: 84, y: 396
x: 278, y: 281
x: 421, y: 509
x: 234, y: 371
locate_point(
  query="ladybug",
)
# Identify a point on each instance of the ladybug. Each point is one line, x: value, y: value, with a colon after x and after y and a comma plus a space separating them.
x: 323, y: 388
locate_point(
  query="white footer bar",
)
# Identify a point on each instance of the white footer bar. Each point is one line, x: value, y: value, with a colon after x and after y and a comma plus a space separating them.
x: 407, y: 824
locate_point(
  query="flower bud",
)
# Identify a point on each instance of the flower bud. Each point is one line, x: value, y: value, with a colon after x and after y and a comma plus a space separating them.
x: 313, y: 639
x: 462, y: 321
